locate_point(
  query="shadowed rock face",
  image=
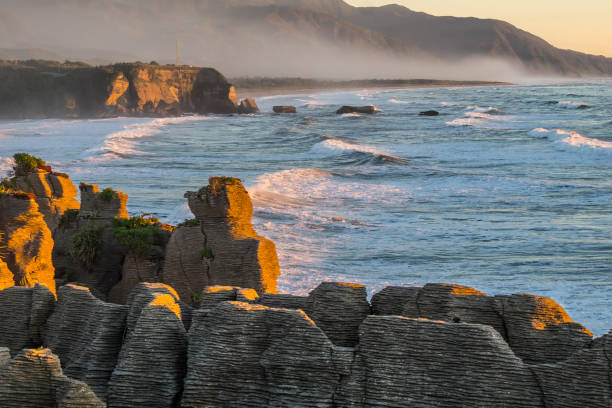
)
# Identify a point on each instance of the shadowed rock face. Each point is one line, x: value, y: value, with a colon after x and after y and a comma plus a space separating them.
x: 27, y: 241
x: 34, y: 379
x: 224, y: 249
x: 151, y: 365
x: 54, y: 192
x: 121, y: 89
x: 86, y: 334
x: 24, y: 312
x: 536, y: 328
x: 248, y: 105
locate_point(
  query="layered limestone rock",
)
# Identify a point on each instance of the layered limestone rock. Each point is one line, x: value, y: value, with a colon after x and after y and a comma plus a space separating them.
x: 338, y: 309
x: 87, y: 335
x: 116, y: 90
x: 254, y: 356
x: 34, y: 379
x: 24, y: 312
x: 417, y: 362
x: 26, y: 243
x: 536, y: 328
x: 85, y: 249
x: 211, y: 296
x: 54, y: 191
x: 152, y: 362
x: 539, y: 330
x: 224, y: 249
x: 583, y: 380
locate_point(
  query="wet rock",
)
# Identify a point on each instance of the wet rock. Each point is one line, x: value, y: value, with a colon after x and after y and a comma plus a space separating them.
x: 248, y: 106
x: 417, y: 362
x: 24, y: 312
x: 26, y: 243
x: 429, y: 113
x: 86, y: 334
x: 539, y: 330
x: 253, y: 356
x: 224, y: 249
x: 338, y: 309
x: 151, y: 365
x: 284, y: 109
x: 583, y: 380
x: 54, y: 192
x: 34, y: 379
x: 369, y: 110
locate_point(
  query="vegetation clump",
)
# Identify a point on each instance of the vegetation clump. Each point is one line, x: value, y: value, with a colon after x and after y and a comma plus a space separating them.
x: 86, y: 245
x: 196, y: 298
x: 217, y: 183
x: 68, y: 218
x: 207, y: 254
x: 6, y: 189
x: 26, y: 162
x: 108, y: 194
x: 137, y: 234
x: 194, y: 222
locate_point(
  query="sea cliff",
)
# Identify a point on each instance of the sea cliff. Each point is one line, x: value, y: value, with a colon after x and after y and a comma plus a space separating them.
x: 41, y: 89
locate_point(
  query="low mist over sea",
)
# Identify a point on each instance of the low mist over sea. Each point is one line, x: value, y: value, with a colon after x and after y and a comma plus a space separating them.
x: 508, y: 190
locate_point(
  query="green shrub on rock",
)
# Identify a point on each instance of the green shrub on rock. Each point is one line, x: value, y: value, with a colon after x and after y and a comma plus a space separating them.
x: 107, y: 194
x: 86, y: 244
x: 137, y: 234
x: 68, y: 217
x: 26, y: 162
x: 194, y: 222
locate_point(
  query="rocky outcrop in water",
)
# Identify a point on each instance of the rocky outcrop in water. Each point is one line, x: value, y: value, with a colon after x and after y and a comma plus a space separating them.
x: 45, y: 89
x: 369, y: 110
x: 26, y: 244
x: 284, y: 109
x: 248, y: 106
x: 242, y: 349
x: 429, y: 113
x: 222, y: 248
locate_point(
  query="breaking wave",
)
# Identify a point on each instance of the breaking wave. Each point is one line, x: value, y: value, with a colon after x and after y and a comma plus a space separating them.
x: 361, y: 154
x: 6, y: 166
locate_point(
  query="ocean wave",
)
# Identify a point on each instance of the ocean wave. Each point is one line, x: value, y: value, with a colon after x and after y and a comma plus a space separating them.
x: 480, y: 109
x: 352, y: 115
x: 577, y: 140
x: 572, y: 105
x: 399, y: 101
x: 6, y: 166
x: 545, y: 133
x: 122, y: 144
x: 334, y: 147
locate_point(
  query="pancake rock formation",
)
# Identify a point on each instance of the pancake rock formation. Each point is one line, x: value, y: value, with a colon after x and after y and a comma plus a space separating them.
x: 32, y: 89
x: 328, y: 349
x: 220, y: 247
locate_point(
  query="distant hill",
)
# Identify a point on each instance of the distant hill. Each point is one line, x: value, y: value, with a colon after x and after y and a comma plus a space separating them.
x: 313, y: 38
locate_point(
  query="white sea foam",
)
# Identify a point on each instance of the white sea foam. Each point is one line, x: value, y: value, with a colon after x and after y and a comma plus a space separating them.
x: 331, y: 147
x: 572, y: 105
x: 398, y: 101
x: 576, y: 139
x: 545, y: 133
x: 6, y: 166
x: 480, y: 109
x: 122, y: 143
x: 352, y: 115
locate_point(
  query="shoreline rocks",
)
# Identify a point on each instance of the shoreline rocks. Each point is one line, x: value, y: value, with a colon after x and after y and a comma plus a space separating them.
x: 284, y: 109
x: 368, y: 110
x: 241, y: 350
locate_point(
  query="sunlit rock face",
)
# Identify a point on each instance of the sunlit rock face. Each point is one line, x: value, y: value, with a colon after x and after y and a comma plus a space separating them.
x: 26, y: 243
x: 54, y: 192
x: 223, y: 249
x: 152, y: 361
x: 34, y: 379
x: 24, y: 312
x: 537, y: 329
x: 86, y: 334
x: 134, y: 89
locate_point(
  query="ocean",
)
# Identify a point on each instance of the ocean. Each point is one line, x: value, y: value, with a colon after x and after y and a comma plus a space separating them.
x: 508, y: 190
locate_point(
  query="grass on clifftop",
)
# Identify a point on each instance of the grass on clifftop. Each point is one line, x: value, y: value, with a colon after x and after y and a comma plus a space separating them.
x: 107, y: 194
x: 137, y: 234
x: 86, y: 244
x: 216, y: 183
x: 27, y: 162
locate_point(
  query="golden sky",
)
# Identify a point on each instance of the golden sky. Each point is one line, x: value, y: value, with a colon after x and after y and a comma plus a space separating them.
x: 579, y: 25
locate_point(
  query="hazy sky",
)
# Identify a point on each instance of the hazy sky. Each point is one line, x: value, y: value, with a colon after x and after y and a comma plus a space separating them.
x: 579, y: 25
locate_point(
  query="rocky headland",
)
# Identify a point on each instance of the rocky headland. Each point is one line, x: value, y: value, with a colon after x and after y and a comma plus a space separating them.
x: 43, y: 89
x: 102, y: 309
